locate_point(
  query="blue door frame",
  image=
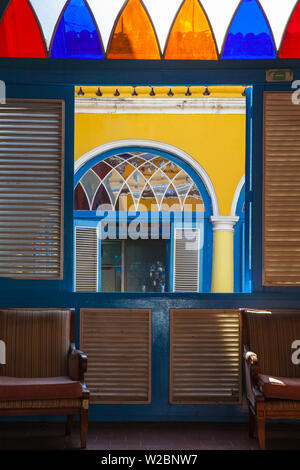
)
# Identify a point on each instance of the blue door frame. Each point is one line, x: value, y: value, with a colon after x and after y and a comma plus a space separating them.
x: 55, y: 79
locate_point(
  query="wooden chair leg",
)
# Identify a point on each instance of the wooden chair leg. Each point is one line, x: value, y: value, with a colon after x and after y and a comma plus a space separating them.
x: 69, y: 424
x: 261, y: 431
x: 84, y: 417
x: 252, y: 422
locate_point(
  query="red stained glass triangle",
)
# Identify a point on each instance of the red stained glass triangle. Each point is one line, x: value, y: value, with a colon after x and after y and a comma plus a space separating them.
x: 20, y: 35
x: 290, y: 48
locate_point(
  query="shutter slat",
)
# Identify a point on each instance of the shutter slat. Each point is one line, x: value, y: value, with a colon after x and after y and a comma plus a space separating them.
x: 205, y: 356
x: 31, y: 189
x: 281, y: 209
x: 118, y: 345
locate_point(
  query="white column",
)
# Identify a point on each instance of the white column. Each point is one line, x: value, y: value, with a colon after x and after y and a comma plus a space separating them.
x: 223, y: 253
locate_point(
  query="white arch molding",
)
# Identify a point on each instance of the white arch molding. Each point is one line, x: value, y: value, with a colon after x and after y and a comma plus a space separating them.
x: 237, y: 195
x: 153, y: 144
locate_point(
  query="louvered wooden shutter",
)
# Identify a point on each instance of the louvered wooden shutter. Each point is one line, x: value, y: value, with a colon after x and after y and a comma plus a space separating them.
x: 205, y: 356
x: 186, y: 259
x: 281, y: 213
x: 31, y: 189
x: 86, y: 259
x: 118, y: 346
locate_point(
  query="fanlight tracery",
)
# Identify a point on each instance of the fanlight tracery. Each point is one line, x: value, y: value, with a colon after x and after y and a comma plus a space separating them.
x: 137, y: 181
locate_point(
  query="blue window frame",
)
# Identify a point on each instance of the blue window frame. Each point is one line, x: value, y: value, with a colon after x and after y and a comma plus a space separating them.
x: 91, y: 218
x: 240, y: 284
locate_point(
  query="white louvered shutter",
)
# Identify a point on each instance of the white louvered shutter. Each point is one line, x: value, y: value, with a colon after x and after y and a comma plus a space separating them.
x: 31, y: 189
x: 86, y: 259
x: 186, y: 259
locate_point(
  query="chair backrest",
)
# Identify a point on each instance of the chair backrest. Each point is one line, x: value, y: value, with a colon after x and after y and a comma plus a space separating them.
x: 37, y: 341
x: 270, y: 336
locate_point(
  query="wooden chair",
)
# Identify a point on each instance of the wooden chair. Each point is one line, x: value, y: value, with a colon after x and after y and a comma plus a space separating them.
x: 43, y: 373
x: 272, y: 379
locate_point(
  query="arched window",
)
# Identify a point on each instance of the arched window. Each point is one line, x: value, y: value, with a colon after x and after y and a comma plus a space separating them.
x: 141, y: 223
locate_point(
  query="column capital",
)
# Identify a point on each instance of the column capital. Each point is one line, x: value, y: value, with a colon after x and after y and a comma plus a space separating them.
x: 224, y: 223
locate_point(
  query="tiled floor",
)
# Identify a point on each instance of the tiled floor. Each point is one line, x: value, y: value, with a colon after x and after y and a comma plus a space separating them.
x: 150, y: 436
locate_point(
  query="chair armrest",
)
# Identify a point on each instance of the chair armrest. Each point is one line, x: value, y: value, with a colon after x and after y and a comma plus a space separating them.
x: 251, y: 371
x: 251, y: 360
x: 77, y: 363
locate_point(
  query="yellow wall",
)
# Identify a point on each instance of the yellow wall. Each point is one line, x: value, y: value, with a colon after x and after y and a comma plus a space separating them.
x: 217, y: 142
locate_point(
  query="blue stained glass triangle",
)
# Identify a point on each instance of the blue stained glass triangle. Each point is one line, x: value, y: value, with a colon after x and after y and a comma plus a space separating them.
x: 76, y: 36
x: 249, y: 35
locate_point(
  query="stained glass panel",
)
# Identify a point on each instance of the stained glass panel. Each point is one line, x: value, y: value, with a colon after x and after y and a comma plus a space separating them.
x: 182, y: 183
x: 278, y: 14
x: 136, y: 183
x: 102, y: 169
x: 148, y: 170
x: 291, y: 43
x: 125, y: 201
x: 20, y: 35
x: 171, y: 170
x: 105, y: 13
x: 114, y: 161
x: 137, y: 161
x: 134, y: 37
x: 81, y: 202
x: 171, y: 200
x: 193, y: 201
x: 249, y: 35
x: 159, y: 162
x: 90, y: 183
x: 48, y: 16
x: 159, y: 183
x: 147, y: 200
x: 102, y: 198
x: 125, y: 169
x: 76, y: 36
x: 191, y: 37
x: 220, y: 14
x: 162, y: 14
x: 113, y: 183
x: 147, y: 156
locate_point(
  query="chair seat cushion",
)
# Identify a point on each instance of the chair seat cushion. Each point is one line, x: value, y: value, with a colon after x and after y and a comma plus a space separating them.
x: 279, y: 387
x: 15, y: 388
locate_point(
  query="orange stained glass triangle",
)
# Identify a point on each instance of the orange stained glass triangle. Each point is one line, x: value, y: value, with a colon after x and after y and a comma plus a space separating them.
x: 191, y: 36
x: 134, y: 36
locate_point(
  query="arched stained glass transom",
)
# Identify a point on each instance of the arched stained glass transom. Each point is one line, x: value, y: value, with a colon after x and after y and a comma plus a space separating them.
x: 137, y: 181
x: 151, y: 29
